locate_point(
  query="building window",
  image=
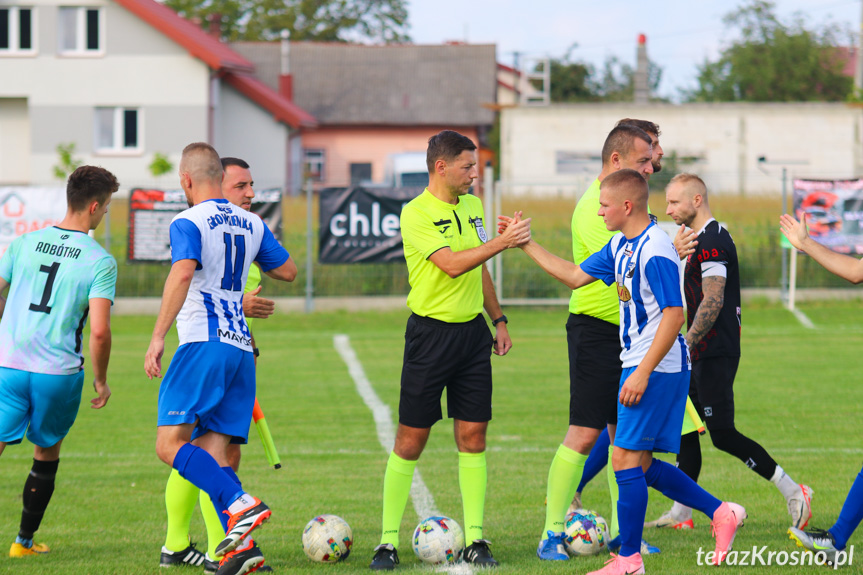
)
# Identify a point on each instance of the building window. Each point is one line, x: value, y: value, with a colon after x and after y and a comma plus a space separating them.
x: 16, y: 30
x: 80, y: 31
x: 313, y: 165
x: 118, y: 130
x: 361, y: 173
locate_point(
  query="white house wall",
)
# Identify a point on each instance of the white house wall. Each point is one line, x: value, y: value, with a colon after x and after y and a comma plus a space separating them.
x: 140, y: 68
x: 247, y: 131
x: 810, y: 139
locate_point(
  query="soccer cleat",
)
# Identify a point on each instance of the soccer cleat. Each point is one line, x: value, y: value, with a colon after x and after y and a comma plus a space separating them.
x: 241, y: 524
x: 620, y: 565
x: 188, y: 556
x: 646, y: 548
x: 386, y: 558
x: 816, y: 541
x: 666, y: 520
x: 576, y: 503
x: 726, y: 520
x: 552, y: 549
x: 479, y: 554
x: 210, y: 565
x: 243, y: 559
x: 800, y: 507
x: 17, y: 550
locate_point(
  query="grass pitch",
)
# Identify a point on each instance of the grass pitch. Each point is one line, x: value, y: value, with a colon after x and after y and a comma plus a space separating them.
x: 797, y: 394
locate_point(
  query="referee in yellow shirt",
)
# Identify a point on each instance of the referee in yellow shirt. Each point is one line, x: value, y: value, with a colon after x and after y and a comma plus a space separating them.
x: 447, y: 341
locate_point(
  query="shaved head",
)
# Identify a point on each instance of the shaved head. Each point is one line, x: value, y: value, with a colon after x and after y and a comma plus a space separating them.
x: 201, y: 162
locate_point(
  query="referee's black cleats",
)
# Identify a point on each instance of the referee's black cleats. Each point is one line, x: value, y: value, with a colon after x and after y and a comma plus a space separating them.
x: 188, y: 556
x: 386, y: 558
x: 479, y: 554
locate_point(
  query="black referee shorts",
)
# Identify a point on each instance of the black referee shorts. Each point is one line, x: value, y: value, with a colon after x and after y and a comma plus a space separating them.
x: 594, y: 371
x: 711, y: 389
x: 438, y: 355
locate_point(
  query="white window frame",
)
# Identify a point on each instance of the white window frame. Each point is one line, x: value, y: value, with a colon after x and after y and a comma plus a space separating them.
x: 322, y: 162
x: 14, y: 48
x: 80, y: 49
x: 117, y: 148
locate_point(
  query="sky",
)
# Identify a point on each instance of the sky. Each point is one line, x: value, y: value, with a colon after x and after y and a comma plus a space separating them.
x: 681, y: 34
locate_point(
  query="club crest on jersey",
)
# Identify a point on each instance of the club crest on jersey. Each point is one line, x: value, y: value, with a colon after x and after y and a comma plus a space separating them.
x: 480, y: 231
x: 623, y: 292
x: 630, y: 270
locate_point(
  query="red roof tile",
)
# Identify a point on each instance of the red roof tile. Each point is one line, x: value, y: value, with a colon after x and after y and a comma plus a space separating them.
x: 282, y: 109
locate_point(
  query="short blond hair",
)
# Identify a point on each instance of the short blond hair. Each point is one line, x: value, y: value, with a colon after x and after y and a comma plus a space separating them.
x: 201, y: 161
x: 692, y: 183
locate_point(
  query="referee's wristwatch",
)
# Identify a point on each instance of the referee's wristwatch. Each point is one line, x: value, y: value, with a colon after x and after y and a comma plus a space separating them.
x: 502, y: 318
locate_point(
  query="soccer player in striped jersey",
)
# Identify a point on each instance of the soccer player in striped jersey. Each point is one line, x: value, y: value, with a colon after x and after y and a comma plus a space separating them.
x: 181, y: 495
x: 642, y: 262
x: 56, y: 277
x: 829, y: 541
x: 210, y: 385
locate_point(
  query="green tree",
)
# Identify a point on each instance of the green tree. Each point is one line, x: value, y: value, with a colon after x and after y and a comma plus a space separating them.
x: 160, y: 165
x: 66, y: 161
x: 773, y: 61
x: 616, y: 83
x: 577, y: 81
x: 571, y: 81
x: 319, y: 20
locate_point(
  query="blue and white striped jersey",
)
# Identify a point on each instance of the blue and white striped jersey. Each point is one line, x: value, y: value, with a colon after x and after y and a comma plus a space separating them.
x: 647, y: 275
x: 224, y: 240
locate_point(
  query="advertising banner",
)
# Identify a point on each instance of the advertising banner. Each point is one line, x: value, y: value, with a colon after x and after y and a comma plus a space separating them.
x: 361, y: 225
x: 151, y: 212
x: 26, y: 209
x: 834, y: 212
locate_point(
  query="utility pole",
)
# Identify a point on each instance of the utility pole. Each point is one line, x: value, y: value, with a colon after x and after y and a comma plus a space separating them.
x: 858, y: 69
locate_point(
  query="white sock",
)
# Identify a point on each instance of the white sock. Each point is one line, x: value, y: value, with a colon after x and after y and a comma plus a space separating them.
x: 785, y: 484
x: 680, y: 512
x: 243, y: 502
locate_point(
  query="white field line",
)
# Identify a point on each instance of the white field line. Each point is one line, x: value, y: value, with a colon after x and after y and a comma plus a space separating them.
x: 422, y: 498
x: 803, y: 319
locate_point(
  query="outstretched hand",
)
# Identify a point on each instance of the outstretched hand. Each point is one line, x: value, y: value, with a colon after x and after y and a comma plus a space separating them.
x: 514, y: 230
x: 257, y: 307
x: 685, y: 242
x: 795, y: 231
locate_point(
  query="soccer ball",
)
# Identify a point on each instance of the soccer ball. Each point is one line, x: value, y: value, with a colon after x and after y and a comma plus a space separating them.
x: 438, y: 540
x: 327, y: 539
x: 585, y: 533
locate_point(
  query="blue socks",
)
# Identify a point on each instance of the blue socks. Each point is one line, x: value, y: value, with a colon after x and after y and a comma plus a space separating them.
x: 851, y: 514
x: 28, y: 543
x: 677, y: 486
x: 631, y: 509
x: 596, y: 460
x: 199, y: 468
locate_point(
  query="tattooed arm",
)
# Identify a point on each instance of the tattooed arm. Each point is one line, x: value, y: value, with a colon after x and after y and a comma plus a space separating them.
x: 713, y: 288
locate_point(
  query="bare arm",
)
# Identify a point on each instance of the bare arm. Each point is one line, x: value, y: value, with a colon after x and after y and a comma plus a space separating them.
x: 100, y: 349
x: 285, y: 272
x: 713, y: 288
x: 560, y: 269
x: 635, y: 385
x: 844, y: 266
x: 3, y: 285
x: 502, y: 341
x: 455, y: 264
x: 173, y: 297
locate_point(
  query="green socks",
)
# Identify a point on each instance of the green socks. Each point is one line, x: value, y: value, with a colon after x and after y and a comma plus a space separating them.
x: 397, y: 489
x: 563, y: 478
x: 215, y: 530
x: 472, y: 480
x: 180, y: 499
x: 613, y: 527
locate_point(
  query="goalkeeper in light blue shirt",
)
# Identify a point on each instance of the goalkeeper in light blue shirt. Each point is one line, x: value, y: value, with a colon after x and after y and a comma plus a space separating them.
x: 56, y: 277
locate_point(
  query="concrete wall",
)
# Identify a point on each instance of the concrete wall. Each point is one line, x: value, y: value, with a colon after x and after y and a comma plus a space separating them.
x: 812, y: 140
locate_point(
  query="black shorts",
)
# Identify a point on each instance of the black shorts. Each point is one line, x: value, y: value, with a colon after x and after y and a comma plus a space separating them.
x: 438, y: 355
x: 594, y: 371
x: 712, y: 390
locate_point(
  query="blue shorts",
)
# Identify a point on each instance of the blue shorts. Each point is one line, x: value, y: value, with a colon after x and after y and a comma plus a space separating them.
x: 213, y: 384
x: 42, y: 405
x: 653, y: 424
